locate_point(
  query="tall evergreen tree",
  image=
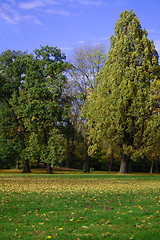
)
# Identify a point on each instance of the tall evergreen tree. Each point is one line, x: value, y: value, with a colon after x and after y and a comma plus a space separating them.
x: 119, y: 107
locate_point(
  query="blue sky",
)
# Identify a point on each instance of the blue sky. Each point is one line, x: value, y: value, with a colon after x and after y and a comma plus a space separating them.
x: 27, y: 24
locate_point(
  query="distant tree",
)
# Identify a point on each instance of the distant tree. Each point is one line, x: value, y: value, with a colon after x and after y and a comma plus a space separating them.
x: 119, y: 108
x: 87, y: 61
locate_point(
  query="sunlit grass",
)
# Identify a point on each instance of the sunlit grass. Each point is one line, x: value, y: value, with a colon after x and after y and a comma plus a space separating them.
x: 79, y: 206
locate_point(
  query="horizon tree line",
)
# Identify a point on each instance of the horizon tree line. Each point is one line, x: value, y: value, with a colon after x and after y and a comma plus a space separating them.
x: 99, y: 110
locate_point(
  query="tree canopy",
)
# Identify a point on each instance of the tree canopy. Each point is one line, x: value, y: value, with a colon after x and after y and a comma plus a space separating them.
x: 37, y: 100
x: 99, y: 107
x: 120, y: 107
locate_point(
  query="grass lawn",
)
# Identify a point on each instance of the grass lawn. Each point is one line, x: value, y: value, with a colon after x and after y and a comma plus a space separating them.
x: 79, y: 206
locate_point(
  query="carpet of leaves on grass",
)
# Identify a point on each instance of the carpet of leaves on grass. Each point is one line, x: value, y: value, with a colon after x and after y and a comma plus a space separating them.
x: 22, y: 184
x: 85, y: 208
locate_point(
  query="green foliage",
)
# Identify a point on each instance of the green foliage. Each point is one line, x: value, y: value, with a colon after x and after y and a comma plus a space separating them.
x: 152, y: 129
x: 120, y: 119
x: 11, y: 70
x: 120, y: 106
x: 33, y: 86
x: 12, y: 131
x: 55, y: 151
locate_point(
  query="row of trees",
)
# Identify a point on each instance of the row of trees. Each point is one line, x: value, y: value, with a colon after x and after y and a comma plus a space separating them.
x: 88, y: 112
x: 41, y: 99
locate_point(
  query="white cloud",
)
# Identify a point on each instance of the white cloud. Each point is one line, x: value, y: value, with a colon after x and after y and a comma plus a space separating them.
x: 6, y: 17
x: 37, y: 4
x: 12, y: 16
x: 80, y: 42
x: 92, y: 3
x: 97, y: 3
x: 31, y: 5
x: 7, y: 13
x: 58, y: 12
x: 15, y: 12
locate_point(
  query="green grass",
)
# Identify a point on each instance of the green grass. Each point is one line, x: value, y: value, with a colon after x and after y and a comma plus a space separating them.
x: 79, y: 206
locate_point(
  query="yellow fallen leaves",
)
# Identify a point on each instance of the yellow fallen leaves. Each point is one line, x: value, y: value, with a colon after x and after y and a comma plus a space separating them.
x: 41, y: 223
x: 72, y: 185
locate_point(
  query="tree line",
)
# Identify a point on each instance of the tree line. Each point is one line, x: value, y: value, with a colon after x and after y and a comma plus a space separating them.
x: 96, y: 111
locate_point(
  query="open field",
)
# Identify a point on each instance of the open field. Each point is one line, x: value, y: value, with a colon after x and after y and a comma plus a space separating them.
x: 79, y: 206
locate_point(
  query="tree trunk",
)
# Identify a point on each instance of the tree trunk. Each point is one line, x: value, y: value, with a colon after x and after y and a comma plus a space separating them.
x: 49, y: 168
x: 123, y: 166
x: 17, y: 164
x: 151, y: 169
x: 26, y: 167
x: 86, y: 164
x: 126, y: 165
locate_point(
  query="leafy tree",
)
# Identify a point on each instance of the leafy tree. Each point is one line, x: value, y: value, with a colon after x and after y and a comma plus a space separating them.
x: 42, y: 104
x: 7, y: 139
x: 152, y: 129
x: 55, y: 151
x: 87, y: 61
x: 152, y: 137
x: 119, y: 108
x: 11, y: 70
